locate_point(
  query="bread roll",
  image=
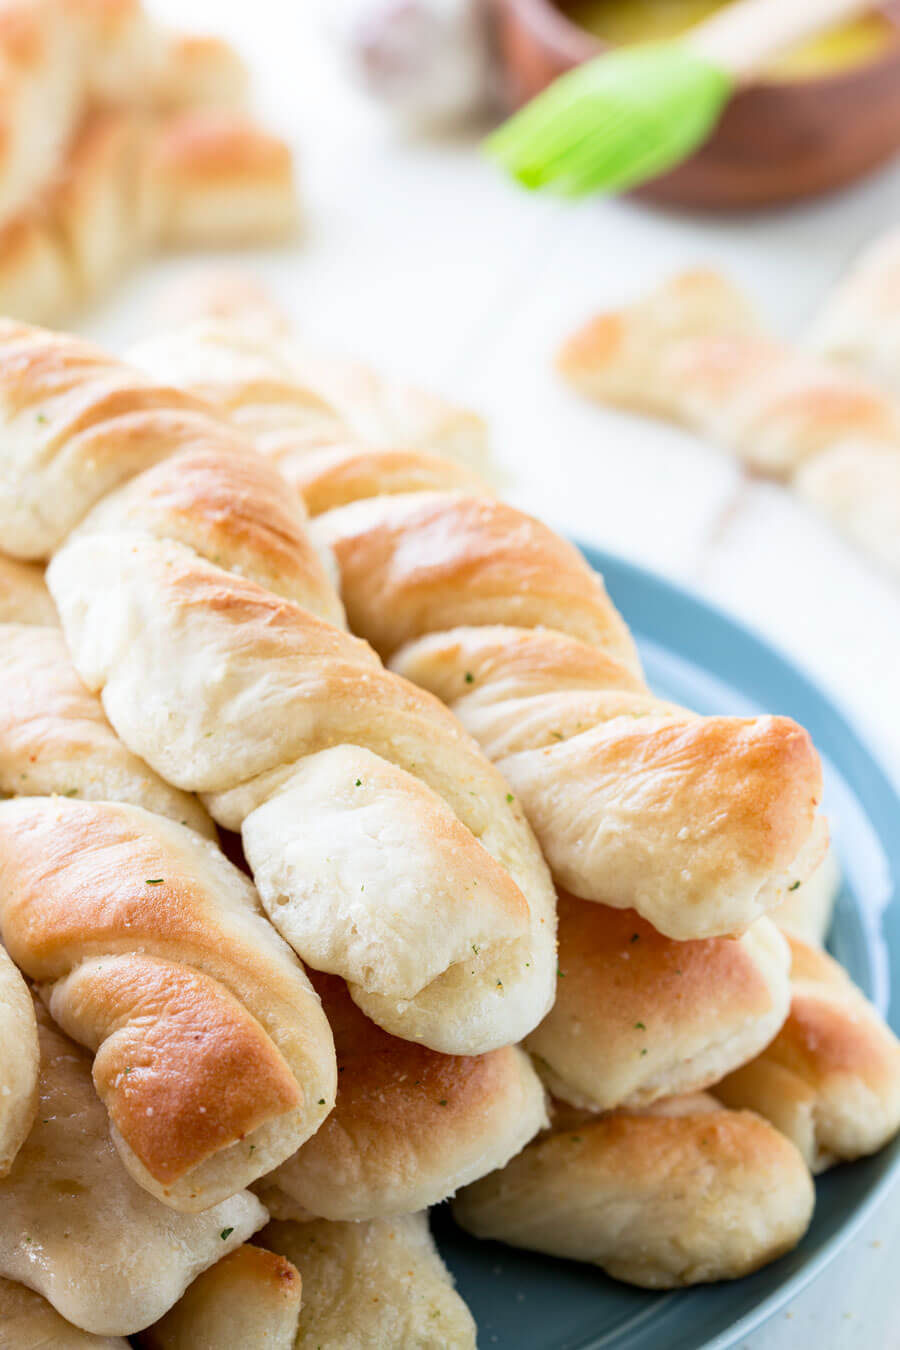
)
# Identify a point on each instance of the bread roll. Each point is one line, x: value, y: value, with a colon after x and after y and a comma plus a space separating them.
x: 55, y: 739
x: 19, y: 1062
x: 830, y: 1080
x: 639, y: 1017
x: 506, y: 622
x: 77, y: 1229
x: 409, y: 1126
x: 212, y: 1053
x: 251, y: 1298
x: 28, y: 1322
x: 682, y: 1193
x: 373, y: 1286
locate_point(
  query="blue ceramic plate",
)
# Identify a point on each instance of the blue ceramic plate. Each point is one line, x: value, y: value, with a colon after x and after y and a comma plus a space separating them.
x: 698, y: 656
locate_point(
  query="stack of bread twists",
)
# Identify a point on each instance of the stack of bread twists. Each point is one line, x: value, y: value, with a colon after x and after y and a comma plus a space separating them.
x: 823, y: 415
x: 194, y: 1082
x: 120, y: 138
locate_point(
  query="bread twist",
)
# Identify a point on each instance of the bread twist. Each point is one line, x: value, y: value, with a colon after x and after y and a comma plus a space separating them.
x: 690, y: 351
x: 683, y: 1193
x: 409, y: 1126
x: 830, y: 1080
x: 381, y: 1283
x: 385, y: 847
x: 689, y: 820
x: 77, y: 1230
x: 251, y: 1298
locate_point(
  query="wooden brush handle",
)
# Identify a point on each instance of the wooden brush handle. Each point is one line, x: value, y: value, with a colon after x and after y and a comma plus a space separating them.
x: 744, y: 37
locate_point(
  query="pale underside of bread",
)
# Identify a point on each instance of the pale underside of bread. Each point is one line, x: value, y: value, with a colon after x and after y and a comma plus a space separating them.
x: 682, y: 1193
x: 448, y: 585
x: 29, y: 1322
x: 373, y: 1286
x: 79, y: 1231
x: 250, y: 1299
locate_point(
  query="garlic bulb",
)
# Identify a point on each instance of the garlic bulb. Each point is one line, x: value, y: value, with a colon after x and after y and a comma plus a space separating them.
x: 428, y: 61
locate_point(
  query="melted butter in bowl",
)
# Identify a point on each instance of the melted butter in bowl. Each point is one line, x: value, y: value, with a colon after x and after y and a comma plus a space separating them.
x: 623, y: 22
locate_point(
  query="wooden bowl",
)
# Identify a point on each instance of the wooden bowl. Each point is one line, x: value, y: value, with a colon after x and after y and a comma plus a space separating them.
x: 778, y: 141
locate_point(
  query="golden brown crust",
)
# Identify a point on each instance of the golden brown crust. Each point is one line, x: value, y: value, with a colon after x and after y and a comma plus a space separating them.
x: 831, y: 1078
x: 473, y: 560
x: 151, y: 951
x: 187, y: 1042
x: 639, y: 1017
x: 230, y: 507
x: 409, y: 1125
x: 252, y: 1298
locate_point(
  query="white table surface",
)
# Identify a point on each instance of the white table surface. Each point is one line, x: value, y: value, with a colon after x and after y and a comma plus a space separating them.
x: 420, y: 259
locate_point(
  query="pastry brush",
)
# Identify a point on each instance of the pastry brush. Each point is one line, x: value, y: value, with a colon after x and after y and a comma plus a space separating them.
x: 636, y: 112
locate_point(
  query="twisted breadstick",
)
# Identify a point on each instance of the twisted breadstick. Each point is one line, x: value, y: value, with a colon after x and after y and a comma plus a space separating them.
x: 380, y: 1283
x: 55, y: 739
x: 683, y: 1193
x: 688, y: 352
x: 859, y: 324
x: 409, y: 1126
x: 76, y: 1229
x: 639, y: 1017
x: 688, y: 820
x: 830, y: 1080
x: 212, y: 1054
x: 251, y: 1298
x: 385, y: 847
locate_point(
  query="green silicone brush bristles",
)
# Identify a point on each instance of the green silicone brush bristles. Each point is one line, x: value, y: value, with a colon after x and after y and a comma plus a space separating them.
x: 615, y: 122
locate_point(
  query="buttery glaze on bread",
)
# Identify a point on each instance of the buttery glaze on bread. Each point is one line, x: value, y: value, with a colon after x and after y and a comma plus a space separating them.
x: 688, y: 820
x: 638, y: 1016
x: 212, y: 1053
x: 830, y: 1080
x: 409, y: 1126
x: 683, y: 1193
x: 384, y: 845
x: 19, y: 1062
x: 55, y: 738
x: 28, y: 1322
x: 794, y: 413
x: 78, y: 1230
x: 373, y: 1286
x: 250, y: 1299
